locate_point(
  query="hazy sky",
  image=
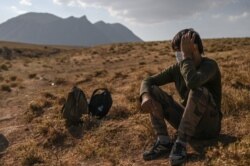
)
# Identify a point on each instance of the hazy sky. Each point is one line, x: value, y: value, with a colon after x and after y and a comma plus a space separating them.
x: 149, y: 19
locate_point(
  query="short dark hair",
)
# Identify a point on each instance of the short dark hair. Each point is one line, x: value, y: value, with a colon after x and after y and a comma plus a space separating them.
x: 176, y: 42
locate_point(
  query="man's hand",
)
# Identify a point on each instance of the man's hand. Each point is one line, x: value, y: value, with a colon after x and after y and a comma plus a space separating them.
x: 149, y: 105
x: 187, y: 45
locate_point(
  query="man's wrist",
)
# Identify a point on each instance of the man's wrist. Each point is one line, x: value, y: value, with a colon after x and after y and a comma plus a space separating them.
x: 145, y: 95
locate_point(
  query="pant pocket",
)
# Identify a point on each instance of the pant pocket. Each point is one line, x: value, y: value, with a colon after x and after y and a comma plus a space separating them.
x: 209, y: 126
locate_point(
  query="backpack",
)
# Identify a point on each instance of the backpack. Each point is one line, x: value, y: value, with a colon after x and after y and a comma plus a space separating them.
x: 75, y: 106
x: 100, y: 103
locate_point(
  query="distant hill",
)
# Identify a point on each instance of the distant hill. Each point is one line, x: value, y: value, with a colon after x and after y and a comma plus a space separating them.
x: 44, y: 28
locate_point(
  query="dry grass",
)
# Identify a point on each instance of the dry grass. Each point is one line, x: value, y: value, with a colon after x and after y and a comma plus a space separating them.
x: 6, y: 88
x: 39, y: 136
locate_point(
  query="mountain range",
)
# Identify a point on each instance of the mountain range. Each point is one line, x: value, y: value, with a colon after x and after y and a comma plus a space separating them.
x: 49, y: 29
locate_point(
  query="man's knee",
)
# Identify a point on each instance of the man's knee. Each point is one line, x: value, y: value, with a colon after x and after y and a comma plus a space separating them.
x: 202, y: 91
x: 199, y: 94
x: 155, y: 90
x: 157, y: 93
x: 161, y: 96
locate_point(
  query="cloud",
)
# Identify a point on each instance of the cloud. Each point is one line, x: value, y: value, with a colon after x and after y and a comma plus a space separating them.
x: 216, y: 16
x: 150, y: 11
x: 25, y: 2
x: 70, y: 3
x: 16, y: 10
x: 237, y: 17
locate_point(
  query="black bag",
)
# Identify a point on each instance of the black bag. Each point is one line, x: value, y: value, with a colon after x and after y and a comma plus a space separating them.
x: 75, y: 106
x: 100, y: 103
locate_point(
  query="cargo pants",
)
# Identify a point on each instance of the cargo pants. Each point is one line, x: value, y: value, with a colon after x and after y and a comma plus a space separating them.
x: 200, y: 118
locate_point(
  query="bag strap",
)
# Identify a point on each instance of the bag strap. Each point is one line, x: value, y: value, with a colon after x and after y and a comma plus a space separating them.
x: 104, y: 89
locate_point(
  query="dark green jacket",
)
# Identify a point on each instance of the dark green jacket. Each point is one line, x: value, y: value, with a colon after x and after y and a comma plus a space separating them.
x: 186, y: 76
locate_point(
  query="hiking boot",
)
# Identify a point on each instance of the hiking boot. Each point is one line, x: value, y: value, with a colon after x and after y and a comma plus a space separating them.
x: 157, y: 151
x: 178, y: 154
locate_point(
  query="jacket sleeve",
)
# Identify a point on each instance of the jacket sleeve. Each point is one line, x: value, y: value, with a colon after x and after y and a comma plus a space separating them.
x: 166, y: 76
x: 194, y: 78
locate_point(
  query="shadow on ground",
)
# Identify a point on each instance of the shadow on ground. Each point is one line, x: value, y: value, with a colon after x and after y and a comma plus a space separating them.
x: 4, y: 143
x: 78, y: 129
x: 199, y: 146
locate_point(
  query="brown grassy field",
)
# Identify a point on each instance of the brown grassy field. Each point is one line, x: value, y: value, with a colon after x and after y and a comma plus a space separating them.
x: 35, y: 80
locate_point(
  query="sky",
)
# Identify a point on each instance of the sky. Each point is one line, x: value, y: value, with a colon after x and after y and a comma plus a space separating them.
x: 151, y: 20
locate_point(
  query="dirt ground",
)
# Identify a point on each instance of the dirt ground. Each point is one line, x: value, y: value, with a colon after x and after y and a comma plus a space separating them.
x: 35, y: 80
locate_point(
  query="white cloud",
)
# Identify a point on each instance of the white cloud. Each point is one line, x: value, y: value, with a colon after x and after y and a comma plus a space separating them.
x: 237, y: 17
x: 71, y: 3
x: 150, y: 11
x: 16, y: 10
x: 57, y: 2
x: 25, y: 2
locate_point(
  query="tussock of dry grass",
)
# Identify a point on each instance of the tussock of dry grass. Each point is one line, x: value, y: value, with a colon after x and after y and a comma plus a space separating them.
x: 4, y: 67
x: 6, y: 88
x: 121, y: 137
x: 33, y: 75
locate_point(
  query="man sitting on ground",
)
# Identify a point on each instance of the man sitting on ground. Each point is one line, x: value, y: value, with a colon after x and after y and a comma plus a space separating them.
x: 198, y: 82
